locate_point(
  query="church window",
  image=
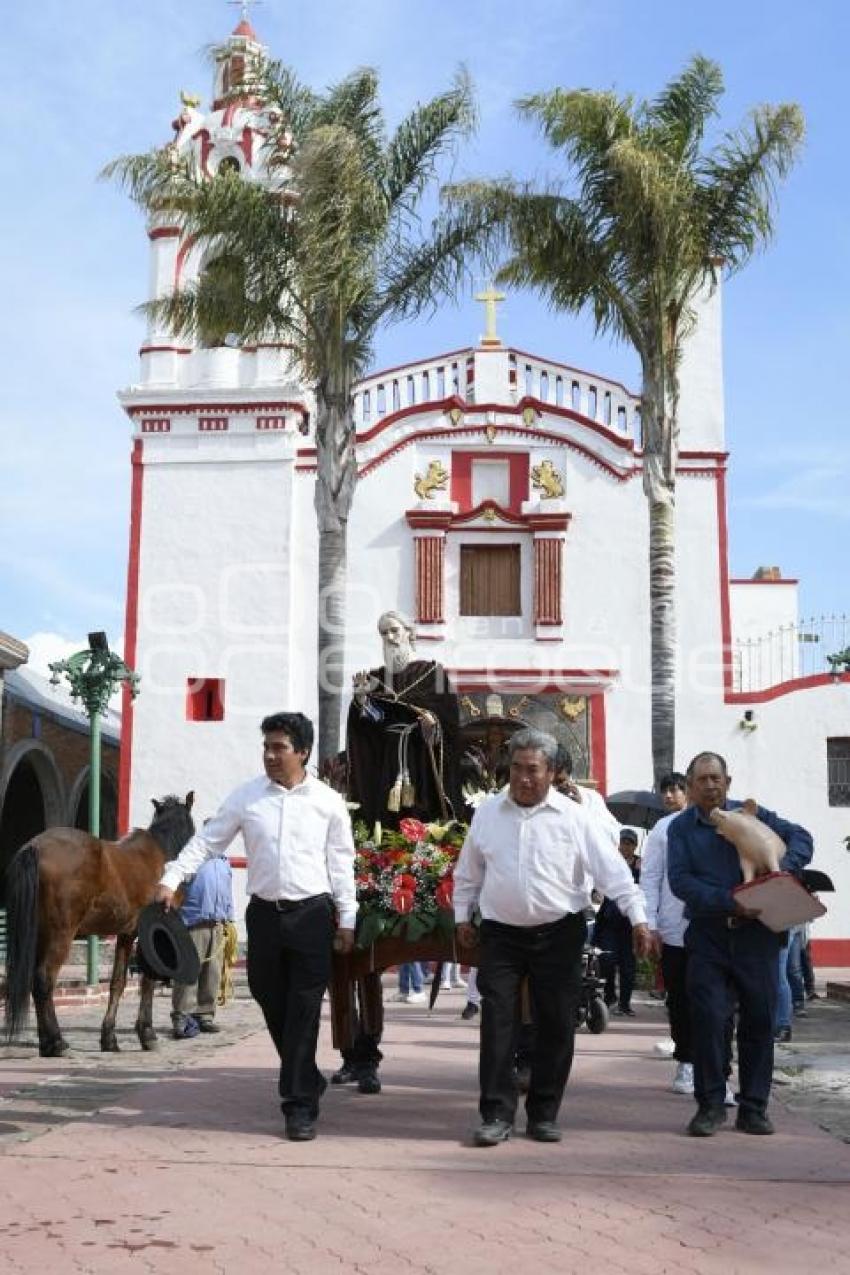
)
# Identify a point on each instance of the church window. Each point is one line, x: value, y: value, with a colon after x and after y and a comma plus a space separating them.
x: 205, y: 699
x: 838, y: 770
x: 490, y: 580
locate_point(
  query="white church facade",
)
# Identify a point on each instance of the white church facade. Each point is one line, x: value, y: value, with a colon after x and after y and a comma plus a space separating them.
x: 500, y: 504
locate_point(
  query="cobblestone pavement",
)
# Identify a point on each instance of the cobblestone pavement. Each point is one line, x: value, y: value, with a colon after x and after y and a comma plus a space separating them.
x: 175, y: 1161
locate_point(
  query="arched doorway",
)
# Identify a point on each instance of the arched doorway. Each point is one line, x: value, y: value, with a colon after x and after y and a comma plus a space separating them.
x: 23, y: 815
x: 108, y: 807
x: 30, y: 800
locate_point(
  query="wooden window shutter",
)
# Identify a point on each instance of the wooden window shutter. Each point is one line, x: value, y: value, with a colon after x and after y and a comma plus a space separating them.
x: 490, y: 580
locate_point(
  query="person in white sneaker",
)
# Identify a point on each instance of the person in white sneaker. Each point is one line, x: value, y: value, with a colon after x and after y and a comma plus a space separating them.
x: 666, y: 919
x: 665, y: 916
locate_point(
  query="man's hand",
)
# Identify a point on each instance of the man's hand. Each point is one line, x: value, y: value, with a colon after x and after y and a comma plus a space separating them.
x: 164, y: 896
x: 363, y: 683
x: 344, y: 942
x: 657, y: 943
x: 642, y: 940
x: 466, y: 934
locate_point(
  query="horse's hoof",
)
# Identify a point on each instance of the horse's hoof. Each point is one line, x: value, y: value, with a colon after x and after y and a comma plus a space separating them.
x: 55, y: 1049
x: 109, y: 1045
x: 149, y: 1043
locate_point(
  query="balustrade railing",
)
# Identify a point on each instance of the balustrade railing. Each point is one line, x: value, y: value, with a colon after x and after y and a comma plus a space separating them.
x: 604, y: 401
x: 801, y: 649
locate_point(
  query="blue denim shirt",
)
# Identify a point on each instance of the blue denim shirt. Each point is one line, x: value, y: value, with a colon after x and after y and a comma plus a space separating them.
x: 703, y: 868
x: 208, y: 895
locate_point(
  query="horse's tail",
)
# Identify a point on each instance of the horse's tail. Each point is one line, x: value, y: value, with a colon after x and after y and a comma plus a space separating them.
x: 22, y: 917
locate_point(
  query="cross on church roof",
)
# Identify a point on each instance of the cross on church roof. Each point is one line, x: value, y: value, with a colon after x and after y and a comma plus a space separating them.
x: 244, y: 8
x: 490, y: 298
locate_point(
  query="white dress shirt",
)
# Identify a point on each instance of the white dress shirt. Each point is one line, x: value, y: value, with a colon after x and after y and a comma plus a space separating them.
x: 529, y: 865
x: 594, y: 804
x: 664, y: 912
x: 298, y: 843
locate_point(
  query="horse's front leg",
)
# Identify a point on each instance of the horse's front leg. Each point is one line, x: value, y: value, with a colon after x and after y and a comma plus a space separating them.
x: 117, y: 983
x: 144, y: 1023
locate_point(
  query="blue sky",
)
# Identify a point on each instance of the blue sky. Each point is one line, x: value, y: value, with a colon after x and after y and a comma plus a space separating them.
x: 97, y: 78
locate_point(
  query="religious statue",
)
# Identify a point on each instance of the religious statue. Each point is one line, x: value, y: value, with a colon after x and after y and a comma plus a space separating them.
x: 402, y: 735
x: 402, y: 749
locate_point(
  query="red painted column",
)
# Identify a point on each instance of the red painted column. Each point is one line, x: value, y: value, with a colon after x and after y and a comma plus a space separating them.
x: 430, y: 553
x: 548, y: 576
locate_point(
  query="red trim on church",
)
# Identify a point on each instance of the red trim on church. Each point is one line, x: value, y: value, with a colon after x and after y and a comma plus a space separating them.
x: 131, y: 622
x: 748, y: 580
x: 598, y: 742
x: 461, y: 481
x: 830, y: 952
x: 455, y: 435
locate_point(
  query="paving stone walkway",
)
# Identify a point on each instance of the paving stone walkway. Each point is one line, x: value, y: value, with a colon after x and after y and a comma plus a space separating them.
x: 175, y: 1161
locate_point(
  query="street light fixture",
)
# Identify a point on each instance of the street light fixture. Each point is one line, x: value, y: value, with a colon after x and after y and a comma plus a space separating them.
x: 93, y: 676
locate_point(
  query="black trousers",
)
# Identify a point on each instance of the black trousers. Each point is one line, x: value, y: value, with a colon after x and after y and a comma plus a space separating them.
x: 674, y: 967
x: 618, y: 963
x: 551, y: 957
x: 724, y: 963
x: 289, y: 968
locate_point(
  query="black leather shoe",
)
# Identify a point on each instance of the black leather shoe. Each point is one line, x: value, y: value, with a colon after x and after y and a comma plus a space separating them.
x: 208, y: 1025
x: 750, y: 1121
x: 543, y: 1131
x: 300, y: 1126
x: 469, y: 1011
x: 369, y: 1081
x: 782, y: 1036
x: 346, y: 1075
x: 492, y: 1132
x: 707, y: 1121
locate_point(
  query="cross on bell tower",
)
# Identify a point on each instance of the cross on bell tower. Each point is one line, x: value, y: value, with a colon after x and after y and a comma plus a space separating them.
x: 491, y: 298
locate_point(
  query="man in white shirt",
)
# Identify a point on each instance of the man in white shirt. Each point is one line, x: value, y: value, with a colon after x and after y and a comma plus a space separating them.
x: 665, y: 916
x: 525, y: 863
x: 300, y: 878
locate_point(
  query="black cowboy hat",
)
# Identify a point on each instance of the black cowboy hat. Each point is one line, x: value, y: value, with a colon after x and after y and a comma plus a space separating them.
x: 816, y: 881
x: 166, y: 950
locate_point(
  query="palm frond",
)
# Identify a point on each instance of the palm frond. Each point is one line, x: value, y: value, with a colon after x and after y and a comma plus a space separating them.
x: 681, y: 111
x: 737, y: 192
x: 428, y: 132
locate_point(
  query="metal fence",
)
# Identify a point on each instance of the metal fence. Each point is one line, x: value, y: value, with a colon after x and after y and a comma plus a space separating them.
x: 789, y: 651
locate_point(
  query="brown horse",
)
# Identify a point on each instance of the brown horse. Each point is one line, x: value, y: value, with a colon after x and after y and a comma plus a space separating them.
x: 66, y: 884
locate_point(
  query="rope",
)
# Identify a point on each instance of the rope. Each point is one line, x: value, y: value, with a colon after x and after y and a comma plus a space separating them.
x: 230, y: 944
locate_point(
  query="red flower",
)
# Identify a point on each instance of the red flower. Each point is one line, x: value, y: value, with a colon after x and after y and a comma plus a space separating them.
x: 413, y: 830
x: 444, y: 893
x: 404, y: 889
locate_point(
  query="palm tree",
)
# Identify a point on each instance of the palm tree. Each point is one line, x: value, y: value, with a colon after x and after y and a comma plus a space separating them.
x: 654, y: 218
x: 320, y: 254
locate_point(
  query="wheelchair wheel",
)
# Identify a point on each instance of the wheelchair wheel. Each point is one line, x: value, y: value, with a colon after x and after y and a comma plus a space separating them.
x: 597, y: 1016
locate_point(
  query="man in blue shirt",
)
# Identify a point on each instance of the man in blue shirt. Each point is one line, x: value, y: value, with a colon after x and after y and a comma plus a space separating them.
x: 207, y: 905
x: 730, y: 952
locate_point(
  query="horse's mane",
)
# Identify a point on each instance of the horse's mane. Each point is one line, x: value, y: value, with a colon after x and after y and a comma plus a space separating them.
x: 172, y: 825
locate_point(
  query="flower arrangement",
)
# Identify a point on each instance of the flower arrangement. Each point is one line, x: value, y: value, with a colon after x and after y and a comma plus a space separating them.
x: 405, y: 879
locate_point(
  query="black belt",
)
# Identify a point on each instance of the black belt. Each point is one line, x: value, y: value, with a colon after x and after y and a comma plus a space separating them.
x: 289, y: 905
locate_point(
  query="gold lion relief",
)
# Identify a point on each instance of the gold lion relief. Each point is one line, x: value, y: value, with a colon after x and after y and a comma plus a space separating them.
x: 435, y: 479
x: 547, y: 479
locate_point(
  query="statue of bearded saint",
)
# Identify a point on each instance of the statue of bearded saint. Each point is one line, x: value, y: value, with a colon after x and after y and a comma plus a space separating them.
x: 402, y: 733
